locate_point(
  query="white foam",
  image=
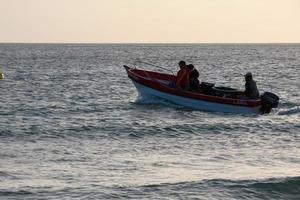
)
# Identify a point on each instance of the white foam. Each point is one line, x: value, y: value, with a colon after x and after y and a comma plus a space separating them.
x: 290, y: 111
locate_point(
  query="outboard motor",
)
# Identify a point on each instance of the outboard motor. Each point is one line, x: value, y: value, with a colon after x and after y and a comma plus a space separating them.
x: 269, y: 101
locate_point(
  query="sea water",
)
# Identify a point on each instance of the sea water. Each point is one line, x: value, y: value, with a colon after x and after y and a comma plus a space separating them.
x: 73, y: 127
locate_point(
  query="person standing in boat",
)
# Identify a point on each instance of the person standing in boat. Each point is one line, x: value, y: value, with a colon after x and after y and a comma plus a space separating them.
x: 251, y: 90
x: 183, y: 76
x: 194, y: 75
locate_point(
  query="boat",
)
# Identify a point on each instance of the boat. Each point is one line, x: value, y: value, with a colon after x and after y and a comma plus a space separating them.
x: 207, y: 98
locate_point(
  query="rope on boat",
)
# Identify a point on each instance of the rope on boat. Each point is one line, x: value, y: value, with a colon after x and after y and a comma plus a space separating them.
x: 155, y: 66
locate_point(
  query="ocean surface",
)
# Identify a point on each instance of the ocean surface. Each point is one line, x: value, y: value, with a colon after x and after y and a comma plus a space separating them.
x: 73, y: 127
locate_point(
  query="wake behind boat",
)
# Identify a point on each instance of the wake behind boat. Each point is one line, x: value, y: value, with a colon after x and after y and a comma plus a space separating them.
x: 208, y: 98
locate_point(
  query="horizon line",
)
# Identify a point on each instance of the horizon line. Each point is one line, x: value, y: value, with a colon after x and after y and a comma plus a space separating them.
x: 149, y: 43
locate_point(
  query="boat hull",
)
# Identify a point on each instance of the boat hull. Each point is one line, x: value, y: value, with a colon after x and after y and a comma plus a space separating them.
x: 145, y: 91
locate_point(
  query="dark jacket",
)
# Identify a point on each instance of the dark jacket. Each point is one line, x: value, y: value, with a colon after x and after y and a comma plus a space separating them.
x: 251, y: 90
x: 194, y: 75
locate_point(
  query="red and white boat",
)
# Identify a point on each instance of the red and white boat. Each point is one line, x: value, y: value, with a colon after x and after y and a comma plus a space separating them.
x: 208, y: 98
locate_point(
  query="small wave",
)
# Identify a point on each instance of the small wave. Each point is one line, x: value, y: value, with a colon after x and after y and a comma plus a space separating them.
x: 290, y: 111
x: 6, y: 193
x: 274, y: 188
x: 4, y: 175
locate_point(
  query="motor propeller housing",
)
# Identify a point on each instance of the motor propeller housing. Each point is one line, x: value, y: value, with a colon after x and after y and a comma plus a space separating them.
x: 270, y: 100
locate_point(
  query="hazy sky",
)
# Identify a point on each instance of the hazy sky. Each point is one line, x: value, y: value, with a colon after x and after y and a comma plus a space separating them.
x: 150, y: 21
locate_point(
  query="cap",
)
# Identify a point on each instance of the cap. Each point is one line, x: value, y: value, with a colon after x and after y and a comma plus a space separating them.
x: 248, y: 74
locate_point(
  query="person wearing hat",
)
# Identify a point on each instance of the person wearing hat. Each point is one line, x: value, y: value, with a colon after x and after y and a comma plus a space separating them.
x: 251, y: 90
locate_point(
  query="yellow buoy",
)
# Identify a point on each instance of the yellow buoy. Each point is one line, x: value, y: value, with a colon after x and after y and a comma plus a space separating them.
x: 1, y: 75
